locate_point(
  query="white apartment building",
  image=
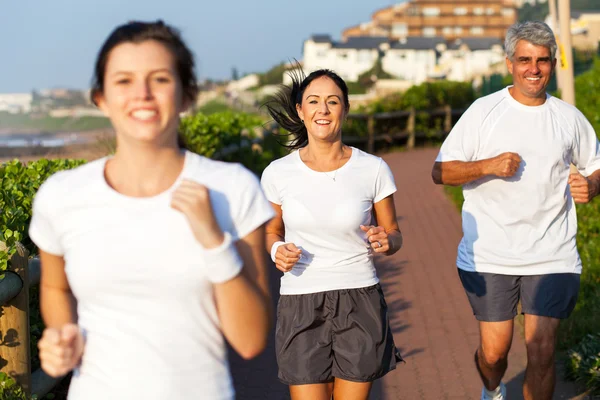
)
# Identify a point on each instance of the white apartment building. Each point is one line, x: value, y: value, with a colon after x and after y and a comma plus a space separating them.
x: 413, y: 59
x: 16, y: 103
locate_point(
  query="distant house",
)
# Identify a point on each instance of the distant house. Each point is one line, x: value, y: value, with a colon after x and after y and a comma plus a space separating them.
x: 244, y: 83
x: 585, y: 29
x: 413, y: 58
x: 16, y: 103
x: 349, y: 58
x: 470, y: 57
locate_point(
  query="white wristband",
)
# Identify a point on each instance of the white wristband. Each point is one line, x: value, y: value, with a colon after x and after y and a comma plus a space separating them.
x: 223, y: 263
x: 274, y: 249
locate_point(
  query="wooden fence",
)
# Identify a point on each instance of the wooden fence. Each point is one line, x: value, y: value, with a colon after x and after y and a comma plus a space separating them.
x: 406, y: 128
x: 15, y: 358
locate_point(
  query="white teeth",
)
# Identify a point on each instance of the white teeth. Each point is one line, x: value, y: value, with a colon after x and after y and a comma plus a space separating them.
x: 143, y: 114
x: 533, y: 79
x: 322, y: 122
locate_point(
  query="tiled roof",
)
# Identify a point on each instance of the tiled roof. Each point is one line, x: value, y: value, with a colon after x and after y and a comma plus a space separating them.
x: 476, y: 43
x: 418, y: 43
x: 361, y: 42
x: 321, y: 38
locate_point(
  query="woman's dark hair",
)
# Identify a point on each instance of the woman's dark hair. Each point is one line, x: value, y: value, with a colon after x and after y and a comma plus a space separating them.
x: 282, y: 106
x: 137, y: 32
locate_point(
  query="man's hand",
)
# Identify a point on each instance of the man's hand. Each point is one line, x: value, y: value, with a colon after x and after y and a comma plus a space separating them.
x: 504, y: 165
x: 60, y: 349
x: 582, y: 189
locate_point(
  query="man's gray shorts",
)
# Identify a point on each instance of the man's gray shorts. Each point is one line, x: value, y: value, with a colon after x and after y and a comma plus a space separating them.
x: 335, y: 334
x: 494, y: 297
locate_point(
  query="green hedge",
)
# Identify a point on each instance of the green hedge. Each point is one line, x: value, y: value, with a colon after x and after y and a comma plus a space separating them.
x: 18, y: 184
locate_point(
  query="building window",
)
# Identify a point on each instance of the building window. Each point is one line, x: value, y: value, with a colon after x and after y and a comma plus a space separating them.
x: 429, y: 31
x: 400, y: 30
x: 413, y: 11
x: 322, y: 53
x: 478, y: 11
x: 458, y: 30
x: 460, y: 11
x: 508, y: 12
x: 490, y: 11
x: 343, y: 55
x: 431, y: 11
x: 476, y: 30
x: 447, y: 30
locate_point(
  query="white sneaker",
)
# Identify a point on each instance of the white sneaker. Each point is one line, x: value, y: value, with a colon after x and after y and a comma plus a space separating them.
x: 498, y: 394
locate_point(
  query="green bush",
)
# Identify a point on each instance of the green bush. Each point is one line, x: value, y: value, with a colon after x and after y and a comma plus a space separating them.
x: 583, y: 363
x: 587, y: 94
x: 9, y: 390
x: 217, y: 135
x: 18, y: 184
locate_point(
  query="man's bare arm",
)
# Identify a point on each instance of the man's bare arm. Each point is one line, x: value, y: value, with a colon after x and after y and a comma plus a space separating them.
x: 457, y: 173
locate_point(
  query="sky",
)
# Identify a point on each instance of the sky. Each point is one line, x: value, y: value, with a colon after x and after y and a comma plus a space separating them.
x: 53, y: 44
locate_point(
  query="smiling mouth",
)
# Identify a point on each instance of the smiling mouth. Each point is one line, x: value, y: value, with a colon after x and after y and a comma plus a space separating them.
x: 533, y: 79
x: 144, y: 115
x: 322, y: 122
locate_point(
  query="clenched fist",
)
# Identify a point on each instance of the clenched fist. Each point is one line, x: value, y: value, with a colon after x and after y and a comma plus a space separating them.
x: 287, y: 256
x: 193, y: 200
x: 61, y: 349
x: 377, y: 237
x: 504, y: 165
x: 581, y: 188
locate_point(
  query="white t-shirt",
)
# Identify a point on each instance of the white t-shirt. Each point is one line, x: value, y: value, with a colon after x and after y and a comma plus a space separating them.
x: 526, y: 224
x: 143, y: 298
x: 322, y: 217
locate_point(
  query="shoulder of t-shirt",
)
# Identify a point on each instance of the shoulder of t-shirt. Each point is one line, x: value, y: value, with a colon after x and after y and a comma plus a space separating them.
x: 281, y: 165
x: 569, y: 114
x: 73, y: 180
x: 367, y: 158
x: 483, y: 106
x: 216, y: 173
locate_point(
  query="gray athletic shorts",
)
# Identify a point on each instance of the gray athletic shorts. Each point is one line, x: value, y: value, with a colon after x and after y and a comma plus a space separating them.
x: 335, y: 334
x: 494, y: 297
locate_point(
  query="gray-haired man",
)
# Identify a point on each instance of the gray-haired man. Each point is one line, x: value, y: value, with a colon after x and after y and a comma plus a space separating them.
x: 511, y: 152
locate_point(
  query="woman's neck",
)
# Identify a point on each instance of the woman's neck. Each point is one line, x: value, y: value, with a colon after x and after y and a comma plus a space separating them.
x: 144, y: 172
x: 324, y: 151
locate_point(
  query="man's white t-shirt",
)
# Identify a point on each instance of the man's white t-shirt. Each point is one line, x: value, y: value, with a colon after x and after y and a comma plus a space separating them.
x: 322, y: 217
x: 144, y: 301
x: 526, y: 224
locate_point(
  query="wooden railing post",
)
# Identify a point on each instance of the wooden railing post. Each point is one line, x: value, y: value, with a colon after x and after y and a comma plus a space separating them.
x: 410, y: 128
x: 14, y: 326
x: 447, y: 119
x: 371, y: 132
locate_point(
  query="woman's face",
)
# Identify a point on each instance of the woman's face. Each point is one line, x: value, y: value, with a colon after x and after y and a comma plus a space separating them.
x: 142, y: 94
x: 323, y: 109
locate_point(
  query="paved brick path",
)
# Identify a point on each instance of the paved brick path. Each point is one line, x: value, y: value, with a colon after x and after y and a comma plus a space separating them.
x: 431, y: 318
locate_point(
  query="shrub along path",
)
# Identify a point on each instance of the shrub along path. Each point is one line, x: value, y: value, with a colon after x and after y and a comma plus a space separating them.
x: 431, y: 318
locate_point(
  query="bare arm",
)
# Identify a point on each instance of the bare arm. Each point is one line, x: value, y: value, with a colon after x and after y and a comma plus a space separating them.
x: 287, y: 255
x: 385, y: 217
x: 244, y: 302
x: 57, y: 303
x: 457, y: 173
x: 275, y: 228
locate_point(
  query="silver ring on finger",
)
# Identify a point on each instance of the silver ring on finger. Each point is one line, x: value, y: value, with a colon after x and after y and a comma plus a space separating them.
x: 379, y: 244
